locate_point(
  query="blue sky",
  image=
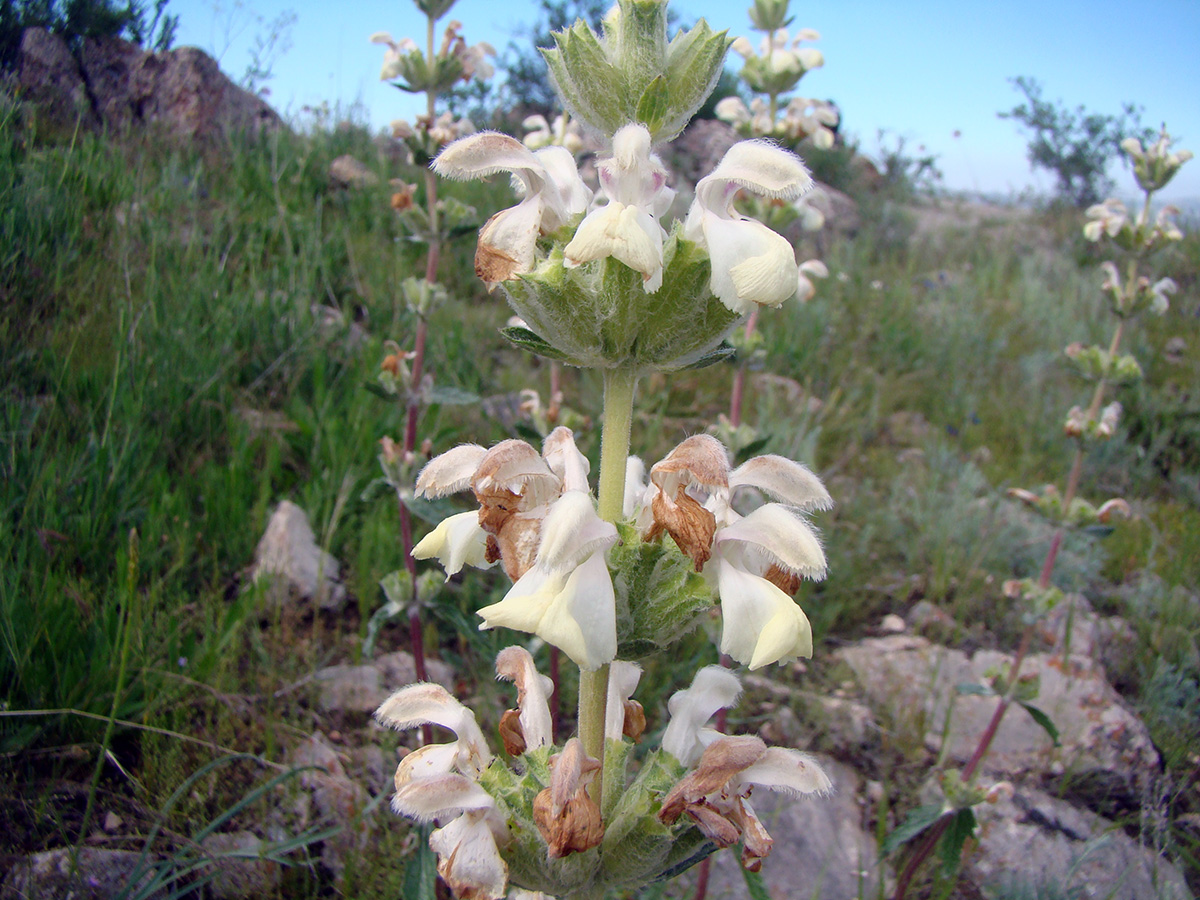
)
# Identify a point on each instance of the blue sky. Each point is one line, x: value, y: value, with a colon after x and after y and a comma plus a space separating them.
x: 922, y: 70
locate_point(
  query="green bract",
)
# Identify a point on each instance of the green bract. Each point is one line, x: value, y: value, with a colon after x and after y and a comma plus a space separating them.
x: 660, y: 597
x: 599, y: 315
x: 769, y: 15
x: 416, y: 75
x: 632, y: 73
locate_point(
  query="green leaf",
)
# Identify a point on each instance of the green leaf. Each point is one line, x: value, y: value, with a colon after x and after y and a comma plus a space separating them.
x: 961, y: 827
x: 722, y: 353
x: 420, y: 876
x: 527, y: 340
x: 1043, y: 720
x: 654, y: 104
x: 379, y: 390
x: 755, y: 886
x: 919, y: 820
x: 451, y: 396
x: 432, y: 512
x: 970, y: 688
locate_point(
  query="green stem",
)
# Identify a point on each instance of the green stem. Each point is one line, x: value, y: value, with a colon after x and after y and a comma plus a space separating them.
x: 614, y: 444
x: 614, y: 449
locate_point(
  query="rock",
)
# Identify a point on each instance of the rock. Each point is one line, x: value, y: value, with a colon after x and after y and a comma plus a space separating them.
x: 1075, y: 627
x: 112, y: 822
x: 821, y: 850
x: 353, y: 689
x: 1035, y: 845
x: 399, y: 669
x: 913, y: 683
x: 699, y: 148
x: 361, y: 689
x: 839, y: 210
x: 289, y: 556
x: 99, y: 875
x: 239, y: 876
x: 348, y: 172
x: 930, y: 620
x: 121, y: 85
x: 50, y: 80
x: 331, y: 797
x: 892, y: 624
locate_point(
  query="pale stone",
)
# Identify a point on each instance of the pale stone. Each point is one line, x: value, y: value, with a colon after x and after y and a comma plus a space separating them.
x: 288, y: 554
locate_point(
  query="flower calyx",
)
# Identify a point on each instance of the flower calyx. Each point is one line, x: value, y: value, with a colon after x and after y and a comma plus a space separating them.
x: 1154, y: 166
x: 631, y: 73
x: 566, y: 816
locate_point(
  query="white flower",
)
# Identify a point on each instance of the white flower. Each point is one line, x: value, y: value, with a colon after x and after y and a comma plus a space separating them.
x: 805, y: 288
x: 715, y: 795
x: 627, y: 227
x: 457, y: 541
x: 567, y: 597
x: 393, y: 56
x: 548, y: 182
x: 563, y: 133
x: 805, y: 117
x: 623, y: 678
x: 751, y: 264
x: 687, y: 734
x: 441, y: 780
x: 756, y: 561
x: 1108, y: 218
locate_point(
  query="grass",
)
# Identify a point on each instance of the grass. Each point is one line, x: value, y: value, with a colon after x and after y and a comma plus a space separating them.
x: 186, y: 339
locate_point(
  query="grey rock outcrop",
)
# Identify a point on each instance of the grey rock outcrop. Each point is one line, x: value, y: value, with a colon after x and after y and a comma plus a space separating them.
x: 1034, y: 842
x: 361, y: 689
x: 116, y: 85
x: 913, y: 682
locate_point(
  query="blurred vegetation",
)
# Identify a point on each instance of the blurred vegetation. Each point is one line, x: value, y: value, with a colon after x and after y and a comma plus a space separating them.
x: 1074, y: 145
x: 186, y: 339
x: 76, y: 20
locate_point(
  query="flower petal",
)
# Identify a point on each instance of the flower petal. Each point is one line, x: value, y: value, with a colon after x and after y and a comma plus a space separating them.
x: 622, y: 680
x: 713, y: 688
x: 533, y: 692
x: 783, y: 479
x: 424, y: 703
x: 572, y: 531
x: 760, y: 624
x: 786, y: 771
x: 468, y: 859
x: 565, y: 460
x: 426, y: 799
x: 751, y: 264
x: 780, y: 536
x: 456, y: 541
x: 450, y: 472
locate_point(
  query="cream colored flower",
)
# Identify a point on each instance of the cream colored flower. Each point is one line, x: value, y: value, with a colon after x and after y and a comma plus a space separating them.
x: 548, y: 182
x: 751, y: 264
x: 627, y: 228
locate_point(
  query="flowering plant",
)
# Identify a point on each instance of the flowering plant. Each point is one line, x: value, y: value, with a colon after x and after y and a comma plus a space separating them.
x: 604, y: 280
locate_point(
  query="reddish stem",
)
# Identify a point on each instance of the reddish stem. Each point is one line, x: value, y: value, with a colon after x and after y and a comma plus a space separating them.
x: 555, y: 697
x: 739, y: 378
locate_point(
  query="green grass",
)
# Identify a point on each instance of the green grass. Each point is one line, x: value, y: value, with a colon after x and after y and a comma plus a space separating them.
x: 169, y: 375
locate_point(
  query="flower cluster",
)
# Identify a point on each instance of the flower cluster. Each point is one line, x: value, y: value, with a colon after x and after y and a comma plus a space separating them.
x: 536, y: 825
x: 1112, y: 220
x: 780, y: 62
x: 551, y: 289
x: 563, y: 132
x: 454, y: 61
x: 537, y: 518
x: 1156, y: 165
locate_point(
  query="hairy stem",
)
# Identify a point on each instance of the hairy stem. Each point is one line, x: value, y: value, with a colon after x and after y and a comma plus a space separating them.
x: 619, y: 385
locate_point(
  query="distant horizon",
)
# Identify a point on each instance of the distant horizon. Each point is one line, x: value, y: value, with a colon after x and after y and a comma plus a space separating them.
x: 935, y: 74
